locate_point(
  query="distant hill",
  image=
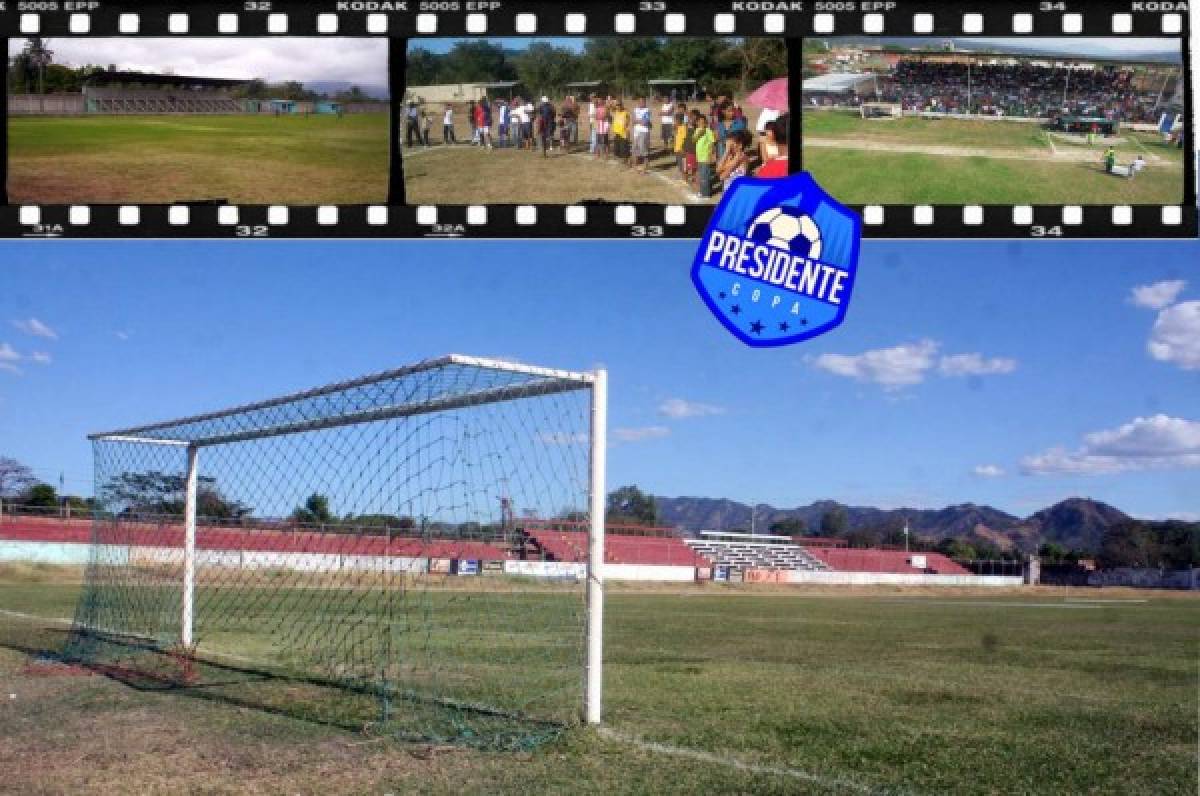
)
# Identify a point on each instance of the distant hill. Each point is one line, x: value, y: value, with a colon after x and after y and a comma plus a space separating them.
x: 331, y: 87
x: 1075, y: 523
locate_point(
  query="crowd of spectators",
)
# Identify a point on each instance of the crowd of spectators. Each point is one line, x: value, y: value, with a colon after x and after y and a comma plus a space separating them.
x: 1022, y: 90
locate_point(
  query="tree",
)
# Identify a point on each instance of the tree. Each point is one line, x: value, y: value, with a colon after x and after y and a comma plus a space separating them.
x: 544, y: 68
x: 834, y: 522
x: 352, y: 94
x: 957, y: 548
x: 39, y: 57
x: 475, y: 61
x: 41, y: 496
x: 422, y: 67
x: 1127, y: 544
x: 15, y: 478
x: 631, y: 504
x: 315, y: 510
x: 791, y: 526
x: 157, y: 493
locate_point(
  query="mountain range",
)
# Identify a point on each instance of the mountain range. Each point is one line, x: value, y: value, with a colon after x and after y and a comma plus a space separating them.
x: 1076, y: 523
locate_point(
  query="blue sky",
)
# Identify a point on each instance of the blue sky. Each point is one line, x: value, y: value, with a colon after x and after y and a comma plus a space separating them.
x: 1009, y: 373
x: 445, y: 45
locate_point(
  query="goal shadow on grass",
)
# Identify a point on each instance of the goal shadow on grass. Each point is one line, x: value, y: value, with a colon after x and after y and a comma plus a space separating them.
x: 368, y: 708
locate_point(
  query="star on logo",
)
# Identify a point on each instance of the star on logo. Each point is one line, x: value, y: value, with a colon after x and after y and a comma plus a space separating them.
x: 783, y: 327
x: 721, y: 295
x: 756, y: 327
x: 736, y: 309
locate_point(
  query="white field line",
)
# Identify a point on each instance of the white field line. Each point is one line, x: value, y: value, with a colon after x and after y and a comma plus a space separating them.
x: 988, y: 603
x: 702, y: 756
x: 687, y: 195
x: 1104, y: 602
x: 1050, y: 141
x: 56, y: 620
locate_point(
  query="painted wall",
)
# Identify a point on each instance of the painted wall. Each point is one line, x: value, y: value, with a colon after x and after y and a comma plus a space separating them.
x: 876, y: 578
x: 45, y: 104
x: 650, y: 572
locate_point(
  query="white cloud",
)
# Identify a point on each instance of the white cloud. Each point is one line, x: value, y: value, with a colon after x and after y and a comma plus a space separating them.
x: 8, y: 353
x: 640, y: 434
x: 679, y: 409
x: 1176, y: 336
x: 910, y: 363
x: 362, y: 61
x: 36, y: 328
x: 987, y: 471
x: 893, y: 368
x: 975, y: 365
x: 1145, y: 443
x: 121, y: 335
x: 10, y: 367
x: 41, y: 357
x: 1158, y: 296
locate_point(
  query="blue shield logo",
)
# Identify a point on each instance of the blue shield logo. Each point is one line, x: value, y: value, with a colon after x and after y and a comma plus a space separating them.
x: 777, y: 263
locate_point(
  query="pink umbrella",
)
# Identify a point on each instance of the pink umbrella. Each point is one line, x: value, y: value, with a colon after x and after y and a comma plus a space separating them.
x: 772, y: 94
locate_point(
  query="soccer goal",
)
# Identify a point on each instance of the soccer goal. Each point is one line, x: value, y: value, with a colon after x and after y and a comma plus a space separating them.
x: 357, y: 554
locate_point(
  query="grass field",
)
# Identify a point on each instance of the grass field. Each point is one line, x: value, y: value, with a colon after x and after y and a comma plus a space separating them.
x: 471, y: 175
x: 243, y: 159
x: 745, y: 690
x: 952, y: 161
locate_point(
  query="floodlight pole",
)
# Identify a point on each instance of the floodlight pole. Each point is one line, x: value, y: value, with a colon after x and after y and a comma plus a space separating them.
x: 594, y: 678
x: 189, y: 546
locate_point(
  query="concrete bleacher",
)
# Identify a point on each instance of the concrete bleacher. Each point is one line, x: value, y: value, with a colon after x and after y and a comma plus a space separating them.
x: 749, y: 551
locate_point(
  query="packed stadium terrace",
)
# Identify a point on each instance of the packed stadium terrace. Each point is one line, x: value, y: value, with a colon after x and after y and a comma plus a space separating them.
x: 540, y: 542
x: 1025, y: 90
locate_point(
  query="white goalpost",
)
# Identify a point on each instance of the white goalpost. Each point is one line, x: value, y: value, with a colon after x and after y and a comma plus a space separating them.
x: 365, y: 534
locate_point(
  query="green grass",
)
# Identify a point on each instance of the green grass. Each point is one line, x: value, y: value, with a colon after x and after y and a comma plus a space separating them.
x: 247, y: 159
x: 898, y: 162
x: 919, y: 693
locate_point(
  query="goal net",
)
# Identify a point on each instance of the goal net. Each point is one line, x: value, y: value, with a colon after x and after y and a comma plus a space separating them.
x: 356, y: 554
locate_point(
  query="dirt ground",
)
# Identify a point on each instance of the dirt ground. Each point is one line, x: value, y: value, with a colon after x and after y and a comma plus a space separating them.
x: 466, y: 174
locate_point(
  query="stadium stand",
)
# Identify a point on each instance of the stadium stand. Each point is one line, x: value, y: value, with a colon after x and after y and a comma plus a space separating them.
x: 765, y: 552
x: 149, y: 534
x: 571, y: 545
x: 846, y: 559
x: 1025, y: 90
x: 134, y: 92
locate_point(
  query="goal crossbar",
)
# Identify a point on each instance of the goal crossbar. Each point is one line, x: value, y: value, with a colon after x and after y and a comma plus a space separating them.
x: 208, y: 429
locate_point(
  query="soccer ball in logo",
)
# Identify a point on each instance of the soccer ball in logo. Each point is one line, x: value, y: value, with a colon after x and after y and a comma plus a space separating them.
x: 788, y: 229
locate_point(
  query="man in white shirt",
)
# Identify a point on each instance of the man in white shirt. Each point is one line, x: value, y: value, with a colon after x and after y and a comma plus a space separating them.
x: 642, y: 121
x: 667, y: 120
x: 504, y: 122
x: 448, y: 127
x: 592, y: 124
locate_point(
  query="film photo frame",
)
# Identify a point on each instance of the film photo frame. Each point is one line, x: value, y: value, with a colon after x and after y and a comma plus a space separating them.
x: 1156, y: 199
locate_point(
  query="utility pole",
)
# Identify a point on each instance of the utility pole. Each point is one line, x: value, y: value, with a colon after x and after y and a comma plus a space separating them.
x: 906, y: 535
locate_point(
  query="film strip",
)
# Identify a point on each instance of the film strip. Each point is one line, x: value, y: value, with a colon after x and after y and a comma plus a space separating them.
x: 999, y: 120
